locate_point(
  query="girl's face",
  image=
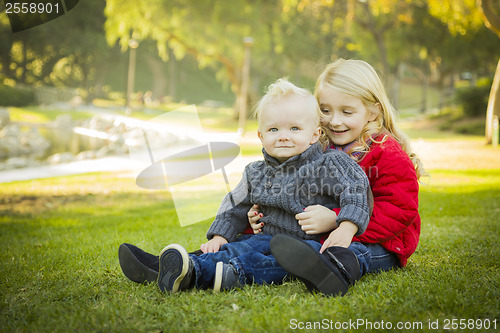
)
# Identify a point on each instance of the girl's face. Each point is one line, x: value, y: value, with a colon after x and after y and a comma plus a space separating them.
x: 345, y: 116
x: 286, y: 127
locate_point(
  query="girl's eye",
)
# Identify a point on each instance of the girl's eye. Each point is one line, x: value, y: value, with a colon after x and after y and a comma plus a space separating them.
x: 347, y: 111
x: 273, y: 129
x: 295, y: 128
x: 325, y: 111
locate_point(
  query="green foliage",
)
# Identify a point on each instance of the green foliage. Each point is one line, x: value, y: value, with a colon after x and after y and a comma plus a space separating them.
x: 60, y: 267
x: 293, y: 38
x: 11, y: 96
x: 474, y: 127
x: 474, y: 100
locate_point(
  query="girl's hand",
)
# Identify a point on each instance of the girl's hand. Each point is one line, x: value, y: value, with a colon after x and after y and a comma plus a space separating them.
x: 317, y: 219
x: 342, y: 236
x: 253, y: 219
x: 213, y: 245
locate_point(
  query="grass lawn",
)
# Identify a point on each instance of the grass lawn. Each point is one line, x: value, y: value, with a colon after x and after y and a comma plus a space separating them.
x: 60, y: 272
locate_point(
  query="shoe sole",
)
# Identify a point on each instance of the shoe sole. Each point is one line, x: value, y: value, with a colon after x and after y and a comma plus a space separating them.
x: 174, y: 264
x: 133, y: 269
x: 302, y: 261
x: 218, y: 276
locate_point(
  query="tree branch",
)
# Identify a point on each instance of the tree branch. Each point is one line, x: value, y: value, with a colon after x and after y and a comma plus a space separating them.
x: 490, y: 15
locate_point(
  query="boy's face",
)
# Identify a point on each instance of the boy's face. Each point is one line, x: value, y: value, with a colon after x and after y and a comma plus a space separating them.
x: 287, y: 127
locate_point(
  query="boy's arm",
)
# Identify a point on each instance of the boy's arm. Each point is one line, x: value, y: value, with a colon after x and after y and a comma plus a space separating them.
x: 355, y: 196
x: 213, y: 245
x: 231, y: 218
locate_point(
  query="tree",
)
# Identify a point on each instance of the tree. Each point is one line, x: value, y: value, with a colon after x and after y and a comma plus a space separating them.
x: 468, y: 15
x: 210, y: 31
x: 70, y: 51
x: 491, y: 17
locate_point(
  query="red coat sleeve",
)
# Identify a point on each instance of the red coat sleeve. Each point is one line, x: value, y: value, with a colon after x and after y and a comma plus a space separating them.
x: 394, y: 185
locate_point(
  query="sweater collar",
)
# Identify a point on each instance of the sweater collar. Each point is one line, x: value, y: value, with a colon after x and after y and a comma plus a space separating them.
x: 309, y: 154
x: 349, y: 148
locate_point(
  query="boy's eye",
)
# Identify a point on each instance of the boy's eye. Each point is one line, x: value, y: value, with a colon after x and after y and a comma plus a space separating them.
x: 294, y: 128
x: 325, y: 111
x: 273, y: 129
x: 347, y: 111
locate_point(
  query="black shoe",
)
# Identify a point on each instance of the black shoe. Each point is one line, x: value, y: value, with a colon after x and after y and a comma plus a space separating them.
x: 331, y: 272
x: 176, y: 269
x: 226, y: 277
x: 137, y: 265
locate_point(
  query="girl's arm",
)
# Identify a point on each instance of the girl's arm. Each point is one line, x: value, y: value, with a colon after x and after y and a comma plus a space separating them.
x: 231, y: 218
x: 253, y: 219
x: 395, y: 190
x: 317, y: 219
x: 342, y: 236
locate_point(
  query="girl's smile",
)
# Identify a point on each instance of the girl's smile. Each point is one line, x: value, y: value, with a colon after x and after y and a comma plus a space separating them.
x: 344, y: 116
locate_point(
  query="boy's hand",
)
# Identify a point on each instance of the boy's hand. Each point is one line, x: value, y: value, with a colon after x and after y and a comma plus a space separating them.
x: 213, y: 245
x: 317, y: 219
x: 342, y: 236
x: 253, y: 219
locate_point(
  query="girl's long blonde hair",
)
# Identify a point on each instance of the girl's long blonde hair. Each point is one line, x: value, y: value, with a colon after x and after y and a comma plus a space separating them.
x: 357, y: 78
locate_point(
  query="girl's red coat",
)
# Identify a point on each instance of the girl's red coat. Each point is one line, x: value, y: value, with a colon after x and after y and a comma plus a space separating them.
x: 395, y: 222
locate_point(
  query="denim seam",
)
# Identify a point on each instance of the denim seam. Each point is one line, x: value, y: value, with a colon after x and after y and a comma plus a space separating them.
x: 366, y: 254
x: 380, y: 257
x: 239, y: 268
x: 197, y: 268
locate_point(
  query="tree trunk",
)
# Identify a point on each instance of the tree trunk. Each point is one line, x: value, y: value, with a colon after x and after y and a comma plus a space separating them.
x: 159, y: 80
x: 493, y: 105
x: 425, y: 89
x: 396, y: 86
x: 172, y: 74
x: 491, y: 20
x: 490, y: 17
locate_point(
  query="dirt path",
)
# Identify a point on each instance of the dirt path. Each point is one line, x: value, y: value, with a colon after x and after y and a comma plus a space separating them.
x: 443, y: 154
x: 456, y: 155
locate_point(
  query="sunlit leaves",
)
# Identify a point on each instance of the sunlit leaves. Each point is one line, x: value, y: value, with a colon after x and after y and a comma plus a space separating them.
x: 459, y: 15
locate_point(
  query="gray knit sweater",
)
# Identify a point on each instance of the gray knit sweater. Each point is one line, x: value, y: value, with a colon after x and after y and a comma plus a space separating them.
x: 331, y: 179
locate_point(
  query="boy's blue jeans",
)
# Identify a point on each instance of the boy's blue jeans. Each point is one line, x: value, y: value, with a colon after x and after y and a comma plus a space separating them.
x: 251, y: 255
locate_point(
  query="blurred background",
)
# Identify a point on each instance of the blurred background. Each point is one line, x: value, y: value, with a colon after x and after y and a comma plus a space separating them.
x: 65, y: 85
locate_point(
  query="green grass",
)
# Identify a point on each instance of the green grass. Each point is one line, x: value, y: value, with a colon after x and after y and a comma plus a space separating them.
x: 60, y: 269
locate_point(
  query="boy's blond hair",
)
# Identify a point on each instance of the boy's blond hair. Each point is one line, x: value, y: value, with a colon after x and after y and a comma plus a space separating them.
x: 357, y: 78
x: 282, y: 88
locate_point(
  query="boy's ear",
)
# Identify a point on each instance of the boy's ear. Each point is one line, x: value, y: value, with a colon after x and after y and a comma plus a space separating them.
x: 316, y: 135
x: 259, y: 134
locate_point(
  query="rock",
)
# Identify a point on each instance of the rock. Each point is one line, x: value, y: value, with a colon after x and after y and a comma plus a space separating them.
x: 16, y: 162
x: 86, y: 155
x: 4, y: 117
x: 64, y: 121
x: 35, y: 143
x: 61, y: 158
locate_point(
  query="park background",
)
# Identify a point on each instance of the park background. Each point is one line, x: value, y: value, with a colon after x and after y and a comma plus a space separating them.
x: 108, y: 62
